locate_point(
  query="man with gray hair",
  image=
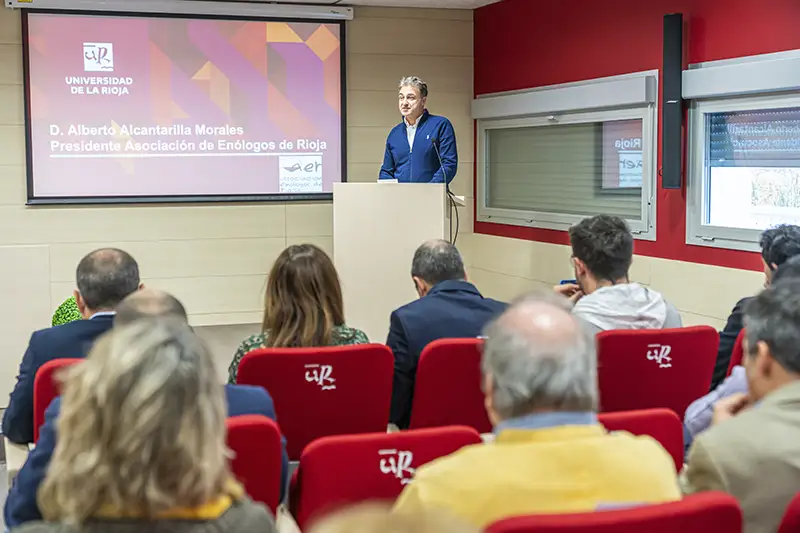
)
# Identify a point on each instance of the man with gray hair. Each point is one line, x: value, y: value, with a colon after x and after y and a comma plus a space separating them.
x: 149, y: 303
x: 422, y: 148
x: 448, y: 307
x: 550, y: 454
x: 750, y: 450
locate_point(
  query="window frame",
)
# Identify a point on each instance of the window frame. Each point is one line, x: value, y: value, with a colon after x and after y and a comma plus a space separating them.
x: 697, y: 206
x: 645, y: 110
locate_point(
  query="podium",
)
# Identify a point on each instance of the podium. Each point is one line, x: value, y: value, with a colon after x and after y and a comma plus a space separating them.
x: 376, y: 229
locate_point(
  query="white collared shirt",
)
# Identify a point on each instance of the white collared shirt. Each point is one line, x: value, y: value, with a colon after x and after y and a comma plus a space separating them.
x: 411, y: 132
x: 103, y: 313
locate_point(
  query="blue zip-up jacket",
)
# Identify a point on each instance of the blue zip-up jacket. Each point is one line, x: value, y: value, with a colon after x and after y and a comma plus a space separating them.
x: 421, y: 165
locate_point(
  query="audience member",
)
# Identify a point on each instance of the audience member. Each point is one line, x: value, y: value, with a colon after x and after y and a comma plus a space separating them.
x: 142, y: 441
x: 602, y: 253
x: 66, y: 312
x: 303, y: 306
x: 778, y: 244
x: 21, y: 505
x: 750, y: 450
x: 375, y: 517
x: 104, y: 278
x: 699, y: 414
x: 448, y: 307
x: 550, y: 455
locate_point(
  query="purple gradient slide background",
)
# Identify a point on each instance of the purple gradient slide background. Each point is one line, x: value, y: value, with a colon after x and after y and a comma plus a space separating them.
x: 278, y: 81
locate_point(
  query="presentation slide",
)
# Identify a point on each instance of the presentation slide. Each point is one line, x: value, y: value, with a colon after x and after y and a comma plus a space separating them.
x: 132, y: 108
x: 622, y: 154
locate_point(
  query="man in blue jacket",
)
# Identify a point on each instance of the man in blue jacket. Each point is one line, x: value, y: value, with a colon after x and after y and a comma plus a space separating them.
x: 422, y: 148
x: 21, y: 505
x: 448, y: 307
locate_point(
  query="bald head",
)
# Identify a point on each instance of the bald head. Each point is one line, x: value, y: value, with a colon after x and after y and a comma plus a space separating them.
x: 104, y: 278
x: 538, y: 358
x: 436, y: 261
x: 148, y: 303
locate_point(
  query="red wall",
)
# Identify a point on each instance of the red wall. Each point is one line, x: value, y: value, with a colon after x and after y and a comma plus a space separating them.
x: 523, y: 44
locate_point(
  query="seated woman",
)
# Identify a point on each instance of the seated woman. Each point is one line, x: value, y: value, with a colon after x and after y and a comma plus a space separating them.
x: 303, y: 306
x: 141, y: 442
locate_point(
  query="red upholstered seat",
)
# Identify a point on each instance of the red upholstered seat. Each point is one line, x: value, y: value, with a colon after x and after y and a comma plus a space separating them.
x: 46, y: 388
x: 323, y: 391
x: 661, y: 424
x: 256, y: 443
x: 642, y: 369
x: 791, y: 519
x: 447, y: 389
x: 336, y: 471
x: 708, y: 512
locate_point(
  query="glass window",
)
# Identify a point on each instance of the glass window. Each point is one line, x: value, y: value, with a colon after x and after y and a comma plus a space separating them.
x: 745, y: 176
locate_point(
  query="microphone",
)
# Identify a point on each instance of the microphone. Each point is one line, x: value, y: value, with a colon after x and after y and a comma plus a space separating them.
x: 453, y: 238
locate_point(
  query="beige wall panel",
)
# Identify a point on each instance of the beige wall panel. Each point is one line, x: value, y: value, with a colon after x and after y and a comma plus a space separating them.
x: 375, y: 72
x: 690, y: 319
x: 304, y: 220
x: 503, y: 287
x: 12, y: 186
x: 25, y: 286
x: 378, y: 108
x: 10, y: 63
x: 173, y: 259
x: 12, y: 141
x: 418, y: 37
x: 12, y: 112
x: 223, y: 342
x: 11, y: 28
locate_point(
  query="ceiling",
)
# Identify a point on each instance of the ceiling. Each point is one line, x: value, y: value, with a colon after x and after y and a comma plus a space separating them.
x: 441, y: 4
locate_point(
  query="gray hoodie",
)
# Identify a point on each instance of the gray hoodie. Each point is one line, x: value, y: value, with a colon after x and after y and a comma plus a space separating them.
x: 626, y: 306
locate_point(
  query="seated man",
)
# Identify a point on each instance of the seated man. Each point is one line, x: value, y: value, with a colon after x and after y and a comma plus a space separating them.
x: 21, y: 505
x: 699, y: 414
x: 778, y: 245
x: 602, y: 253
x: 448, y: 307
x: 104, y: 278
x: 550, y: 455
x: 750, y: 451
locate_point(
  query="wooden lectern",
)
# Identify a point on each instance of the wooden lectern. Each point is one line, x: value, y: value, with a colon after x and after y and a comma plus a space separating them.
x: 376, y: 229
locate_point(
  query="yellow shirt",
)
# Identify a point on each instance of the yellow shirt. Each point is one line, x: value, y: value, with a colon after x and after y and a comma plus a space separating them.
x: 553, y: 470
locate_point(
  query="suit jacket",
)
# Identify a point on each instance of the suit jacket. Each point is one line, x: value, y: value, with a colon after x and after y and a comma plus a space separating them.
x: 71, y: 340
x: 21, y: 503
x: 753, y: 457
x: 727, y: 339
x: 452, y: 309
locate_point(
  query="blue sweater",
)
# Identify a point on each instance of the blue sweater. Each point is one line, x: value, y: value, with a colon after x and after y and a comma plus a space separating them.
x: 421, y: 165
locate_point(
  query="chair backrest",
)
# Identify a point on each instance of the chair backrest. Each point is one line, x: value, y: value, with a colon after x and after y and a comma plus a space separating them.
x: 661, y: 424
x: 738, y: 352
x: 46, y: 389
x: 323, y: 391
x: 791, y: 518
x: 447, y: 389
x: 707, y: 512
x: 258, y: 457
x: 641, y: 369
x: 343, y: 470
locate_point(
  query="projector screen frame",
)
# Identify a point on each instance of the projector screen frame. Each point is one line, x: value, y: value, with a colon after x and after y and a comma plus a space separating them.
x: 33, y: 201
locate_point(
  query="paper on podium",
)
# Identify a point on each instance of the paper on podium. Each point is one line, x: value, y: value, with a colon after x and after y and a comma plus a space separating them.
x: 387, y: 181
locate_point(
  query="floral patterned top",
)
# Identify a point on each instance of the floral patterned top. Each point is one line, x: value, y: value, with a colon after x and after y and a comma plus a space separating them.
x: 67, y: 312
x: 342, y: 336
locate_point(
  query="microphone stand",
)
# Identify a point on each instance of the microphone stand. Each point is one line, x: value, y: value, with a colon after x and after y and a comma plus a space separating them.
x: 450, y: 199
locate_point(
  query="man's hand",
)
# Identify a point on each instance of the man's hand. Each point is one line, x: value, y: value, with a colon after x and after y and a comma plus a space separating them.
x: 569, y: 290
x: 729, y: 407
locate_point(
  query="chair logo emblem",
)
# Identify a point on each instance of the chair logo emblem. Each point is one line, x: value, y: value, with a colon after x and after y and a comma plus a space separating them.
x: 398, y: 464
x: 321, y: 375
x: 660, y: 354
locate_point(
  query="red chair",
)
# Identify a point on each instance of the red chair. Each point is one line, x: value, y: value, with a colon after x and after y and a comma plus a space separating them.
x: 256, y: 443
x: 661, y: 424
x: 738, y: 352
x: 447, y: 389
x: 707, y: 512
x: 791, y: 518
x: 642, y: 369
x: 325, y: 391
x: 46, y: 388
x: 338, y: 471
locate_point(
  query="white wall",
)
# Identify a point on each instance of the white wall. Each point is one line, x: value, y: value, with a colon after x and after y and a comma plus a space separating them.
x: 215, y: 257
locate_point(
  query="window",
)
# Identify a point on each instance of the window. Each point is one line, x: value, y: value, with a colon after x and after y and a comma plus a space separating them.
x: 552, y: 169
x: 744, y: 169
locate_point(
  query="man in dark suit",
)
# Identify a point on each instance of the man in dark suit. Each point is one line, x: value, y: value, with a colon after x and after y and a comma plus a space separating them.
x: 448, y: 307
x: 21, y: 505
x: 104, y: 278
